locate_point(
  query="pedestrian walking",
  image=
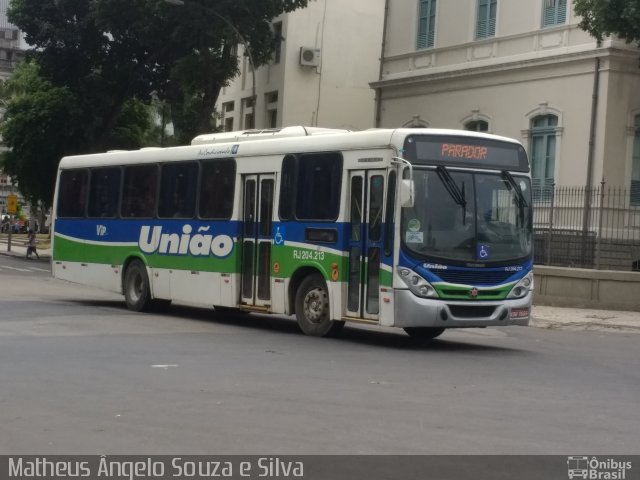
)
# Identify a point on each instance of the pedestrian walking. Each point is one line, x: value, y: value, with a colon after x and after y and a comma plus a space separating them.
x: 31, y: 245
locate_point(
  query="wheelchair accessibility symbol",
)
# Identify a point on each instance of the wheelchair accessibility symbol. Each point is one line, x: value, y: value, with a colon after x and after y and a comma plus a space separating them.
x: 483, y: 252
x: 278, y: 238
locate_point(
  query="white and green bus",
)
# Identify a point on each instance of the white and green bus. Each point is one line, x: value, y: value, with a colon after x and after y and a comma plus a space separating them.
x: 421, y: 229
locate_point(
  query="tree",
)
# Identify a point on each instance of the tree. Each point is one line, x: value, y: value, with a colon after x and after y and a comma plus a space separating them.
x: 135, y: 48
x: 606, y: 17
x: 42, y: 123
x: 38, y: 126
x: 97, y: 61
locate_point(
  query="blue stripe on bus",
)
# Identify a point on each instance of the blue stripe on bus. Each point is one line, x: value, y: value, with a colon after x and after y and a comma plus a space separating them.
x: 128, y: 231
x: 479, y: 276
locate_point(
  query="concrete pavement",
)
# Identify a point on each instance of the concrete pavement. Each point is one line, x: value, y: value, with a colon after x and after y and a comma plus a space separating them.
x: 543, y: 316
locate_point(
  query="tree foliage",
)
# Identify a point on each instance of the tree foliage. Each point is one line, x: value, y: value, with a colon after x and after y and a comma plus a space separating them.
x: 606, y: 17
x: 95, y: 64
x: 39, y: 125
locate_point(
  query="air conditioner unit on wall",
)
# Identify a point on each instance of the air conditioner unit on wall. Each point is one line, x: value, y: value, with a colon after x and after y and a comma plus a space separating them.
x: 309, y: 56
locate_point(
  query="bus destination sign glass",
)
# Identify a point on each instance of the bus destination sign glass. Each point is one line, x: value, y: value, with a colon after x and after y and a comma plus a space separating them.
x: 465, y: 152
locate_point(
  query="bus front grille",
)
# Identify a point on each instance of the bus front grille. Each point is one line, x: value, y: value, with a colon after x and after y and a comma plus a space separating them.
x: 471, y: 311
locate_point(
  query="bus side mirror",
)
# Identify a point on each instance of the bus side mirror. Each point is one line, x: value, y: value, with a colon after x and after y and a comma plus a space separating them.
x: 406, y: 193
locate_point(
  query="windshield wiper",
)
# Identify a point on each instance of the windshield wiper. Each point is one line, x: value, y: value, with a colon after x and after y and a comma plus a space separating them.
x: 452, y: 187
x: 513, y: 185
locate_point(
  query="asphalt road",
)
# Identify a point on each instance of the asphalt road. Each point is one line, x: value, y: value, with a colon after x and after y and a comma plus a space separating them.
x: 80, y: 374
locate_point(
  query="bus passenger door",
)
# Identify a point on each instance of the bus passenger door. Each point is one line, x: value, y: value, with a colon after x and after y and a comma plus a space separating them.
x: 366, y: 201
x: 258, y: 197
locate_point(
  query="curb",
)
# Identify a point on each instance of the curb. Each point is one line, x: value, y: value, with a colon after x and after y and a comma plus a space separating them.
x: 559, y: 318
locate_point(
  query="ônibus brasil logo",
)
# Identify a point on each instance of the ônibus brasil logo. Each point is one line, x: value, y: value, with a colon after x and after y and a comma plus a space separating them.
x: 202, y: 244
x: 596, y: 468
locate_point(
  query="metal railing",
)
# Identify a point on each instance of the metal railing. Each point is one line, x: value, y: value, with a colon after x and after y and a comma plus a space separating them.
x: 582, y: 227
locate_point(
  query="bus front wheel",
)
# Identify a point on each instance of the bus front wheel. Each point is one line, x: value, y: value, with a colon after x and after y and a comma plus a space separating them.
x: 137, y: 293
x: 312, y: 308
x: 424, y: 333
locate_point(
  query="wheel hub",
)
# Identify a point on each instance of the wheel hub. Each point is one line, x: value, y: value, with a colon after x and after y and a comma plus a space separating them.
x: 314, y: 306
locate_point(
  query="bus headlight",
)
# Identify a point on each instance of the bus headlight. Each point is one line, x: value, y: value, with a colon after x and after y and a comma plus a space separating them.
x: 418, y: 285
x: 524, y: 286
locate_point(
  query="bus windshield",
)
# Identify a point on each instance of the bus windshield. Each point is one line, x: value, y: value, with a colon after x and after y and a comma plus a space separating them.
x: 462, y: 216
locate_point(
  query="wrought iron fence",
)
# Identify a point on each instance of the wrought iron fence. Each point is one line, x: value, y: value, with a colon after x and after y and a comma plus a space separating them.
x: 596, y: 227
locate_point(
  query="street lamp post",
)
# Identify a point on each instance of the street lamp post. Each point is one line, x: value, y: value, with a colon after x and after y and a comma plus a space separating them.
x: 242, y: 40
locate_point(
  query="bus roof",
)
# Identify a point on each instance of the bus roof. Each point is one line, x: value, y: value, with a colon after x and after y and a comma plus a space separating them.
x: 243, y: 135
x: 291, y: 140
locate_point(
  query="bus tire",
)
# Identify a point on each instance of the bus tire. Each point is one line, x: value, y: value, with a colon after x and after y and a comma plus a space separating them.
x: 424, y: 333
x: 312, y: 308
x: 137, y: 293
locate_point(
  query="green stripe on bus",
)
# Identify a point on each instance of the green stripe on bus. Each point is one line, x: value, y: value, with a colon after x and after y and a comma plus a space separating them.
x: 285, y: 260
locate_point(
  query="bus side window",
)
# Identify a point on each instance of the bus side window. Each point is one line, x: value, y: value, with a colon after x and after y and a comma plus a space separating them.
x: 217, y: 187
x: 319, y: 181
x: 287, y: 187
x: 72, y: 193
x: 178, y: 190
x: 104, y: 192
x: 139, y: 191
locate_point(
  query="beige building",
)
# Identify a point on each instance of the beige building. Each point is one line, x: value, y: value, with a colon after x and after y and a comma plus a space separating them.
x: 320, y: 74
x: 519, y: 68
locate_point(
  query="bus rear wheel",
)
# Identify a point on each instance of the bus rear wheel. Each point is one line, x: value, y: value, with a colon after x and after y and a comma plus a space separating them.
x: 424, y: 333
x: 312, y: 308
x: 137, y: 293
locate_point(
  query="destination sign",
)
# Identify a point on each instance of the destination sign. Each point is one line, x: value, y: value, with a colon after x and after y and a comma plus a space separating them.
x: 457, y: 150
x: 475, y: 152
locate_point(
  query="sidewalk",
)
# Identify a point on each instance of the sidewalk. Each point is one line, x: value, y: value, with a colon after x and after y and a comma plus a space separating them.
x: 560, y: 318
x: 557, y: 318
x: 19, y: 249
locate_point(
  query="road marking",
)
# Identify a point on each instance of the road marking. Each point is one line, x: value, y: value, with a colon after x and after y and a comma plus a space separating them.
x: 16, y: 269
x: 41, y: 269
x: 166, y: 367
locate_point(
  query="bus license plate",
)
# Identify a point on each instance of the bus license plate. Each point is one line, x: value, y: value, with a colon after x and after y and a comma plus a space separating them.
x: 519, y: 312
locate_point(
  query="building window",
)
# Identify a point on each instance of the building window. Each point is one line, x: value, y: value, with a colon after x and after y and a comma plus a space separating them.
x: 486, y: 23
x: 271, y: 97
x: 543, y: 154
x: 477, y: 126
x: 248, y: 121
x: 426, y: 23
x: 635, y: 163
x: 227, y: 110
x: 271, y: 101
x: 277, y: 33
x: 272, y: 118
x: 554, y: 12
x: 247, y: 117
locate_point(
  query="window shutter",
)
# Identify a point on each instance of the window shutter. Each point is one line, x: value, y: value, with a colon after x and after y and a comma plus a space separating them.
x: 486, y: 21
x: 555, y: 12
x: 426, y: 23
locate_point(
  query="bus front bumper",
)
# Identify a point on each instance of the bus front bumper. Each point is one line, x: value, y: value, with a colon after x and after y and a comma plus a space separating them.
x: 413, y: 311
